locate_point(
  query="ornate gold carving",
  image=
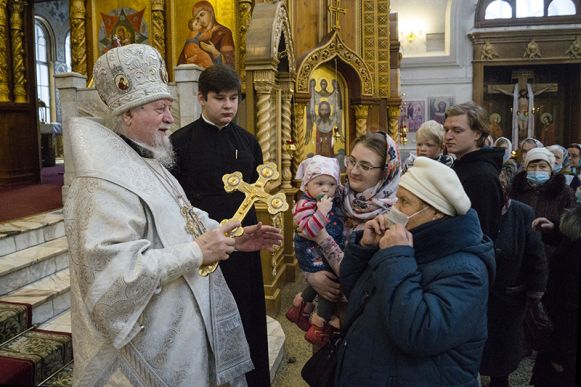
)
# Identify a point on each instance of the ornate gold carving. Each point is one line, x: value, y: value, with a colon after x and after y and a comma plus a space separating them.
x: 298, y: 132
x: 533, y: 50
x: 263, y: 82
x: 158, y: 25
x: 253, y: 193
x: 376, y: 46
x: 18, y: 68
x: 4, y: 90
x: 361, y: 112
x: 277, y: 221
x: 78, y: 36
x: 245, y: 12
x: 286, y: 139
x: 393, y: 114
x: 574, y: 50
x: 334, y: 48
x: 488, y: 51
x: 335, y: 11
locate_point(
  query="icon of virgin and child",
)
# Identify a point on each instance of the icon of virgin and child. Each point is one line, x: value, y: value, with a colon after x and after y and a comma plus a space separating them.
x: 208, y: 41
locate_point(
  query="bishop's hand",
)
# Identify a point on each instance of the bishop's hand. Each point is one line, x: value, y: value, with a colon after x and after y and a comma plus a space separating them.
x: 259, y: 237
x: 215, y: 245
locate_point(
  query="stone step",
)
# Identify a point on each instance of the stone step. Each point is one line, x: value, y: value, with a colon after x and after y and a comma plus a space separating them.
x: 59, y: 323
x: 48, y: 296
x: 26, y: 266
x: 20, y: 234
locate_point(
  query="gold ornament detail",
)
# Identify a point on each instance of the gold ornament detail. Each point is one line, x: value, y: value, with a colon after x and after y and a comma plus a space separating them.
x: 263, y: 82
x: 245, y: 12
x: 298, y: 133
x: 334, y: 48
x: 18, y: 68
x: 158, y: 25
x: 4, y: 90
x: 78, y: 36
x: 253, y: 193
x: 574, y: 50
x: 286, y: 139
x: 488, y: 51
x: 393, y: 114
x: 361, y: 112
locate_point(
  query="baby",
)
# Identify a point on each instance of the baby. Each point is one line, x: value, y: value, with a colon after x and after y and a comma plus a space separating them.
x: 316, y: 208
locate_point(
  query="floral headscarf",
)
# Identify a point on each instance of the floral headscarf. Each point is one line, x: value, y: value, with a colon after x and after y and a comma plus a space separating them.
x: 363, y: 206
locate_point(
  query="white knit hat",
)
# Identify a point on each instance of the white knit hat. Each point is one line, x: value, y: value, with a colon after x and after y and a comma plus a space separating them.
x: 437, y: 185
x: 130, y: 76
x: 540, y: 154
x: 316, y: 166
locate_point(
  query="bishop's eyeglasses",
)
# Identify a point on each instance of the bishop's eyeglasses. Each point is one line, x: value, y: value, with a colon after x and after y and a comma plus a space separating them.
x: 352, y: 162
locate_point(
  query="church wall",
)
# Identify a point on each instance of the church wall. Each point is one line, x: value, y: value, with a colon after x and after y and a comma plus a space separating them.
x: 445, y: 75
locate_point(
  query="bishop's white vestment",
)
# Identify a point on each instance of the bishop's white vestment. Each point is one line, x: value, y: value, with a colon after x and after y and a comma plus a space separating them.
x: 141, y: 314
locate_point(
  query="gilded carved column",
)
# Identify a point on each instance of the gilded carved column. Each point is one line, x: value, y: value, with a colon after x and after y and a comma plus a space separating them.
x: 158, y: 25
x: 4, y: 91
x: 287, y: 175
x: 273, y: 134
x: 298, y: 132
x: 78, y: 36
x: 263, y: 81
x: 245, y: 12
x: 393, y: 115
x: 18, y: 68
x: 360, y: 119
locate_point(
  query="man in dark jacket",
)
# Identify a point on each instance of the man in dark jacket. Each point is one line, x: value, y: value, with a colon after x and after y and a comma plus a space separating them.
x: 477, y: 166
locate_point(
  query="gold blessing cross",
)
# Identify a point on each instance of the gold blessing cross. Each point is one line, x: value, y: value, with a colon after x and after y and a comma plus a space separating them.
x: 254, y: 193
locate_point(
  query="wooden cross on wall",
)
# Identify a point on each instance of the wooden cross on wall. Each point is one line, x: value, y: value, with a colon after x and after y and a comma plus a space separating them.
x: 523, y: 77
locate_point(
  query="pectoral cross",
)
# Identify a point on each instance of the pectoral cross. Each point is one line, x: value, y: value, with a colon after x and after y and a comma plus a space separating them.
x: 253, y: 193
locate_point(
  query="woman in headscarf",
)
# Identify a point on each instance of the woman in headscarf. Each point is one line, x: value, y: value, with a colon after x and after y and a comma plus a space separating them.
x: 509, y: 167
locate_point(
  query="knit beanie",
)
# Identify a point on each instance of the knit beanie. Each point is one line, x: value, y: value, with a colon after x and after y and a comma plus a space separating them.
x: 316, y: 166
x: 540, y: 154
x: 130, y: 76
x: 437, y: 185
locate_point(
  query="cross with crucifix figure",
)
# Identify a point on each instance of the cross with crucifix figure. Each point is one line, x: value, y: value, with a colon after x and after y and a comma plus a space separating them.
x: 335, y: 11
x: 523, y: 93
x: 253, y: 193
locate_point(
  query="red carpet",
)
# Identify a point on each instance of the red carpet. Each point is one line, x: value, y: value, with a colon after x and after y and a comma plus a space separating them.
x: 28, y: 200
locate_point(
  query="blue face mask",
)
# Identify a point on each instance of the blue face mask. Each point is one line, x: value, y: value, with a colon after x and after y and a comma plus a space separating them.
x: 506, y: 155
x: 538, y: 177
x: 557, y: 168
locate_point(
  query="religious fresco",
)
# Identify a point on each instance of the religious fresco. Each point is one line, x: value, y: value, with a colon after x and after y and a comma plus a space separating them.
x: 120, y: 23
x: 413, y: 115
x: 326, y: 115
x: 438, y: 106
x: 203, y: 33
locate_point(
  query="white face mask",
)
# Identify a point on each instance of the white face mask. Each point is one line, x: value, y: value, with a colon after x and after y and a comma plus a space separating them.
x: 395, y: 216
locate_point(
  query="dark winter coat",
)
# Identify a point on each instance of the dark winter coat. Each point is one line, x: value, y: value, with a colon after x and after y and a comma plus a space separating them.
x: 562, y: 303
x: 478, y: 172
x: 521, y: 268
x: 424, y: 323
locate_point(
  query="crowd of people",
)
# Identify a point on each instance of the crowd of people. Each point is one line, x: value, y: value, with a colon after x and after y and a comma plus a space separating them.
x: 433, y: 260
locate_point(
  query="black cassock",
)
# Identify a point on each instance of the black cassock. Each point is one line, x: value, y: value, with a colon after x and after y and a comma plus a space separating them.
x: 204, y: 154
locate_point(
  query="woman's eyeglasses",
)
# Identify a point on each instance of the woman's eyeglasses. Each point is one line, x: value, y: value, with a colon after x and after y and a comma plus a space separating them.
x: 351, y: 162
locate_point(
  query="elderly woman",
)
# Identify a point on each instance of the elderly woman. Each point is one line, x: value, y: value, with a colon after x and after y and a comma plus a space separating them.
x: 509, y: 165
x: 429, y: 143
x: 562, y: 165
x: 421, y: 275
x: 541, y: 188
